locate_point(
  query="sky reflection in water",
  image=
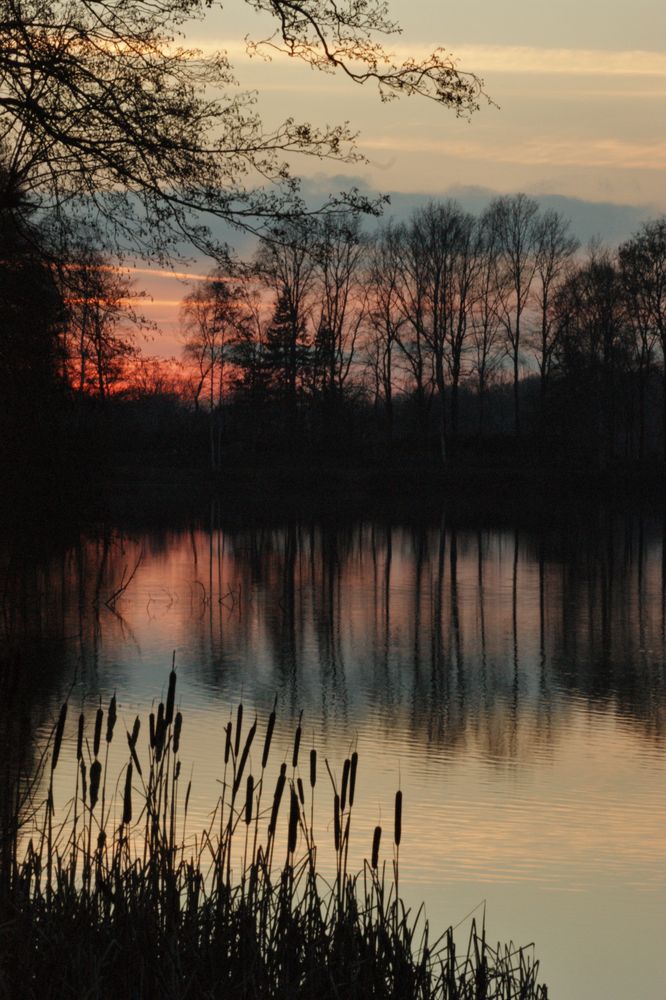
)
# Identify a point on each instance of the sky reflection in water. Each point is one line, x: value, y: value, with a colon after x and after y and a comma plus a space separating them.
x: 513, y: 683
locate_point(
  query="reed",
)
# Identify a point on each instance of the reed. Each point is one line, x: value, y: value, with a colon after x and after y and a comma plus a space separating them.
x: 113, y: 901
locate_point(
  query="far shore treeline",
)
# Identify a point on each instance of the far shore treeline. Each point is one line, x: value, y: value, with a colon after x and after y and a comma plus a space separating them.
x: 449, y: 340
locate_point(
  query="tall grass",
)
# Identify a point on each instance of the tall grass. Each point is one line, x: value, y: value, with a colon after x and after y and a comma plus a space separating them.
x: 117, y: 900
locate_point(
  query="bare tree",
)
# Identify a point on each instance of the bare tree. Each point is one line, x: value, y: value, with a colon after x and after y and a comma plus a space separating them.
x: 211, y: 316
x: 591, y: 349
x: 412, y: 298
x: 467, y: 261
x: 555, y: 248
x: 643, y: 266
x: 488, y: 348
x: 102, y: 321
x: 383, y: 317
x: 341, y: 304
x: 515, y: 218
x: 438, y: 273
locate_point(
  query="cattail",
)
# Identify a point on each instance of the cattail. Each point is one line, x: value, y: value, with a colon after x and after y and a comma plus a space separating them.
x: 375, y: 846
x: 176, y: 774
x: 227, y: 742
x: 294, y: 814
x: 111, y: 719
x: 160, y: 730
x: 297, y: 743
x: 171, y: 697
x: 84, y: 786
x: 127, y: 798
x: 135, y: 731
x: 239, y: 724
x: 352, y: 777
x: 98, y: 730
x: 177, y: 726
x: 60, y: 729
x: 95, y: 775
x: 131, y: 742
x: 301, y: 793
x: 345, y: 782
x: 268, y: 737
x: 249, y: 793
x: 277, y: 796
x: 313, y: 768
x: 243, y: 760
x: 336, y: 821
x: 397, y: 830
x: 151, y: 726
x: 159, y: 723
x: 79, y: 738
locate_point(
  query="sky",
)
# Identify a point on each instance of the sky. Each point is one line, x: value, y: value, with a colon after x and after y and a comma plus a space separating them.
x: 579, y: 92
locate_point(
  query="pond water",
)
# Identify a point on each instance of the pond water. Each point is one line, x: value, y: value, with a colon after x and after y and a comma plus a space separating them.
x: 512, y: 682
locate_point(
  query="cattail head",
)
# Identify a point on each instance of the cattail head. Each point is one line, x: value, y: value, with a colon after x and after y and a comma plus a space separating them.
x: 151, y: 726
x: 301, y: 792
x: 244, y: 756
x: 84, y: 784
x: 297, y: 743
x: 95, y: 775
x: 227, y: 742
x: 352, y: 777
x: 313, y: 768
x: 135, y: 732
x: 249, y: 794
x: 98, y: 730
x: 397, y: 829
x: 239, y: 725
x: 171, y: 698
x: 336, y: 821
x: 277, y: 796
x: 268, y: 738
x: 294, y: 815
x: 60, y: 729
x: 79, y: 737
x: 127, y: 798
x: 160, y: 730
x: 111, y: 719
x: 132, y: 741
x: 177, y: 726
x: 375, y: 846
x: 345, y: 781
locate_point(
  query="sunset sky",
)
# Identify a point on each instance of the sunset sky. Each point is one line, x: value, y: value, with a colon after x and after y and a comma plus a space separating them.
x: 581, y: 90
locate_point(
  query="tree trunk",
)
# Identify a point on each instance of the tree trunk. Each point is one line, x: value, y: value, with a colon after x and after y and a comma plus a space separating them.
x: 642, y: 378
x: 663, y: 411
x: 439, y: 376
x: 516, y: 395
x: 454, y: 402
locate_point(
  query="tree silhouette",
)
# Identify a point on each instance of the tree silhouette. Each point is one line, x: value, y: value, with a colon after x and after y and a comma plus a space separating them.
x: 104, y: 112
x: 287, y: 355
x: 32, y: 320
x: 516, y: 219
x: 643, y: 265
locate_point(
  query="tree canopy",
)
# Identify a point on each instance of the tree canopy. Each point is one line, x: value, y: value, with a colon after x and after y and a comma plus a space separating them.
x: 107, y: 114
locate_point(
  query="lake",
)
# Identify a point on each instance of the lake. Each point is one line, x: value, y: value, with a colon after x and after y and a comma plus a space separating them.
x: 510, y: 679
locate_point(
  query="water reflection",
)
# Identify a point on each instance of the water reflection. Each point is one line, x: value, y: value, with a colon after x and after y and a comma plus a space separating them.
x: 451, y: 631
x: 515, y: 680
